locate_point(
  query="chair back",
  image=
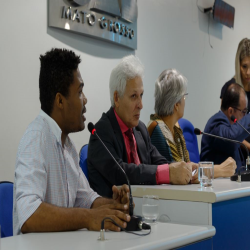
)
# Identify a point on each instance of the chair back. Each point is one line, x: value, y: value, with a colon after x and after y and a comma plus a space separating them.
x: 191, y: 139
x: 6, y: 208
x: 83, y: 160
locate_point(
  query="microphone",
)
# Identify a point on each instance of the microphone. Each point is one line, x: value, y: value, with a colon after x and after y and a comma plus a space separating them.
x: 236, y: 121
x: 198, y: 132
x: 135, y: 223
x: 246, y: 175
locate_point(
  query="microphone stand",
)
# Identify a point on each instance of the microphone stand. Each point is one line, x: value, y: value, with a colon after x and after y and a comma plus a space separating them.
x: 135, y: 223
x: 245, y: 176
x: 248, y: 158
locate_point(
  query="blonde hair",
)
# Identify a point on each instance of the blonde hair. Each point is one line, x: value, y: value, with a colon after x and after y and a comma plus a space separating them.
x: 242, y: 52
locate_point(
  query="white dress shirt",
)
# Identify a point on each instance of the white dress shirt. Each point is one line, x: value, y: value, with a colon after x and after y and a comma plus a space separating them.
x: 47, y: 172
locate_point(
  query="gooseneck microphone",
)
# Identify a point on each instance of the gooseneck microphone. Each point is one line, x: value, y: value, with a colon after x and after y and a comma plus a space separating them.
x: 236, y: 177
x: 135, y: 223
x: 198, y: 132
x: 92, y: 130
x: 236, y: 121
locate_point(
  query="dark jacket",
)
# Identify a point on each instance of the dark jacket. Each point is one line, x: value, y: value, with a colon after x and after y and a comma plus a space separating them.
x: 223, y: 90
x: 103, y: 171
x: 217, y: 150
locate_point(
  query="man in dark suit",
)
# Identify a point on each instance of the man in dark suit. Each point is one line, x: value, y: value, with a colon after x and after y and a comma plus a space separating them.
x: 127, y: 139
x: 234, y: 103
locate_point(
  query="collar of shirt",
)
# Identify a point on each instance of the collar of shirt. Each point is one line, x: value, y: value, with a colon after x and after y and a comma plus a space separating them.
x: 226, y: 118
x: 122, y: 125
x: 55, y: 129
x: 124, y: 128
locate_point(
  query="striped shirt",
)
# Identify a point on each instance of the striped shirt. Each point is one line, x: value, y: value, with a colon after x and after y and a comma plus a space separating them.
x: 47, y: 172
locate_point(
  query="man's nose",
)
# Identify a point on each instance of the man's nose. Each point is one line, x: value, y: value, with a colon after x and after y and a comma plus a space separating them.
x: 140, y: 104
x: 85, y: 100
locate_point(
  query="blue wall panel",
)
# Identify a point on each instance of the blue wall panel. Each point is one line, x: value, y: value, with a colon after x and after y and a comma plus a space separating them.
x: 204, y: 245
x: 231, y: 220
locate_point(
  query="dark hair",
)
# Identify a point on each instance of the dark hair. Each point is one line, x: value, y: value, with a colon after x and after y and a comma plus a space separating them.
x: 56, y: 75
x: 231, y: 96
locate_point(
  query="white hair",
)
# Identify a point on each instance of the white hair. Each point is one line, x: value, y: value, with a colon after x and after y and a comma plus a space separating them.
x: 169, y: 89
x: 129, y: 68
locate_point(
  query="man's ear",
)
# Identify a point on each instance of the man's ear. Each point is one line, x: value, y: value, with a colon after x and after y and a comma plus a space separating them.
x: 59, y: 101
x: 230, y: 112
x: 116, y: 99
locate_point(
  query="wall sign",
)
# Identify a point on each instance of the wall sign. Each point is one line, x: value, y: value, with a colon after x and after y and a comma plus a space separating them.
x: 110, y: 20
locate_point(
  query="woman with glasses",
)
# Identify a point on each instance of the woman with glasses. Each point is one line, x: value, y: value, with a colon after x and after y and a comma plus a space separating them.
x: 242, y: 75
x: 170, y: 97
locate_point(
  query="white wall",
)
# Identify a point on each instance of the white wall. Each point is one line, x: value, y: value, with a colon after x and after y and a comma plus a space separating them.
x: 171, y: 33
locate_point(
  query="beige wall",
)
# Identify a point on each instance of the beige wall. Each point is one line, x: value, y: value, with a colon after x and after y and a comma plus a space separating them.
x: 171, y: 33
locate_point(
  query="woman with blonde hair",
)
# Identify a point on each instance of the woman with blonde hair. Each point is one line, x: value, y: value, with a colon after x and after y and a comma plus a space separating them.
x: 242, y: 68
x: 166, y: 135
x: 242, y: 75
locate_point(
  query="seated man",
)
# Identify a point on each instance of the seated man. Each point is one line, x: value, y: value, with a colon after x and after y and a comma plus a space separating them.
x: 51, y: 192
x: 234, y: 103
x: 127, y: 139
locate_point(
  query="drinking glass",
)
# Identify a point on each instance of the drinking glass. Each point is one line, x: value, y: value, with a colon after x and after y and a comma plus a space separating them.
x: 150, y: 208
x: 206, y: 173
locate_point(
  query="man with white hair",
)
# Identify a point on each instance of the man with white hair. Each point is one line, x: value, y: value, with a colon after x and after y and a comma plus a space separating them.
x: 127, y: 139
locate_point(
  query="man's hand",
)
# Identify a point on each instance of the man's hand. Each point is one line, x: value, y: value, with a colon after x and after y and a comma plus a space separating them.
x: 180, y: 173
x: 121, y: 195
x: 247, y: 144
x: 194, y: 166
x: 50, y: 218
x: 110, y: 210
x: 225, y: 169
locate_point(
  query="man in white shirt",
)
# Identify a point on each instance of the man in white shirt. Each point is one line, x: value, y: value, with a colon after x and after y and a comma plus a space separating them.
x: 51, y: 193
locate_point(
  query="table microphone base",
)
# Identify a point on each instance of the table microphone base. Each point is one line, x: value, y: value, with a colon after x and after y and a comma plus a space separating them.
x: 245, y: 176
x: 133, y: 224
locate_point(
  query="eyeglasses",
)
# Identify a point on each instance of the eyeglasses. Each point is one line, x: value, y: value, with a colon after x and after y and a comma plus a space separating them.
x: 185, y: 96
x: 244, y: 111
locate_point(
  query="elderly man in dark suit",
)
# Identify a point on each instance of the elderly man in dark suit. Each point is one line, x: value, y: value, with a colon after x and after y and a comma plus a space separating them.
x: 234, y: 103
x: 127, y: 139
